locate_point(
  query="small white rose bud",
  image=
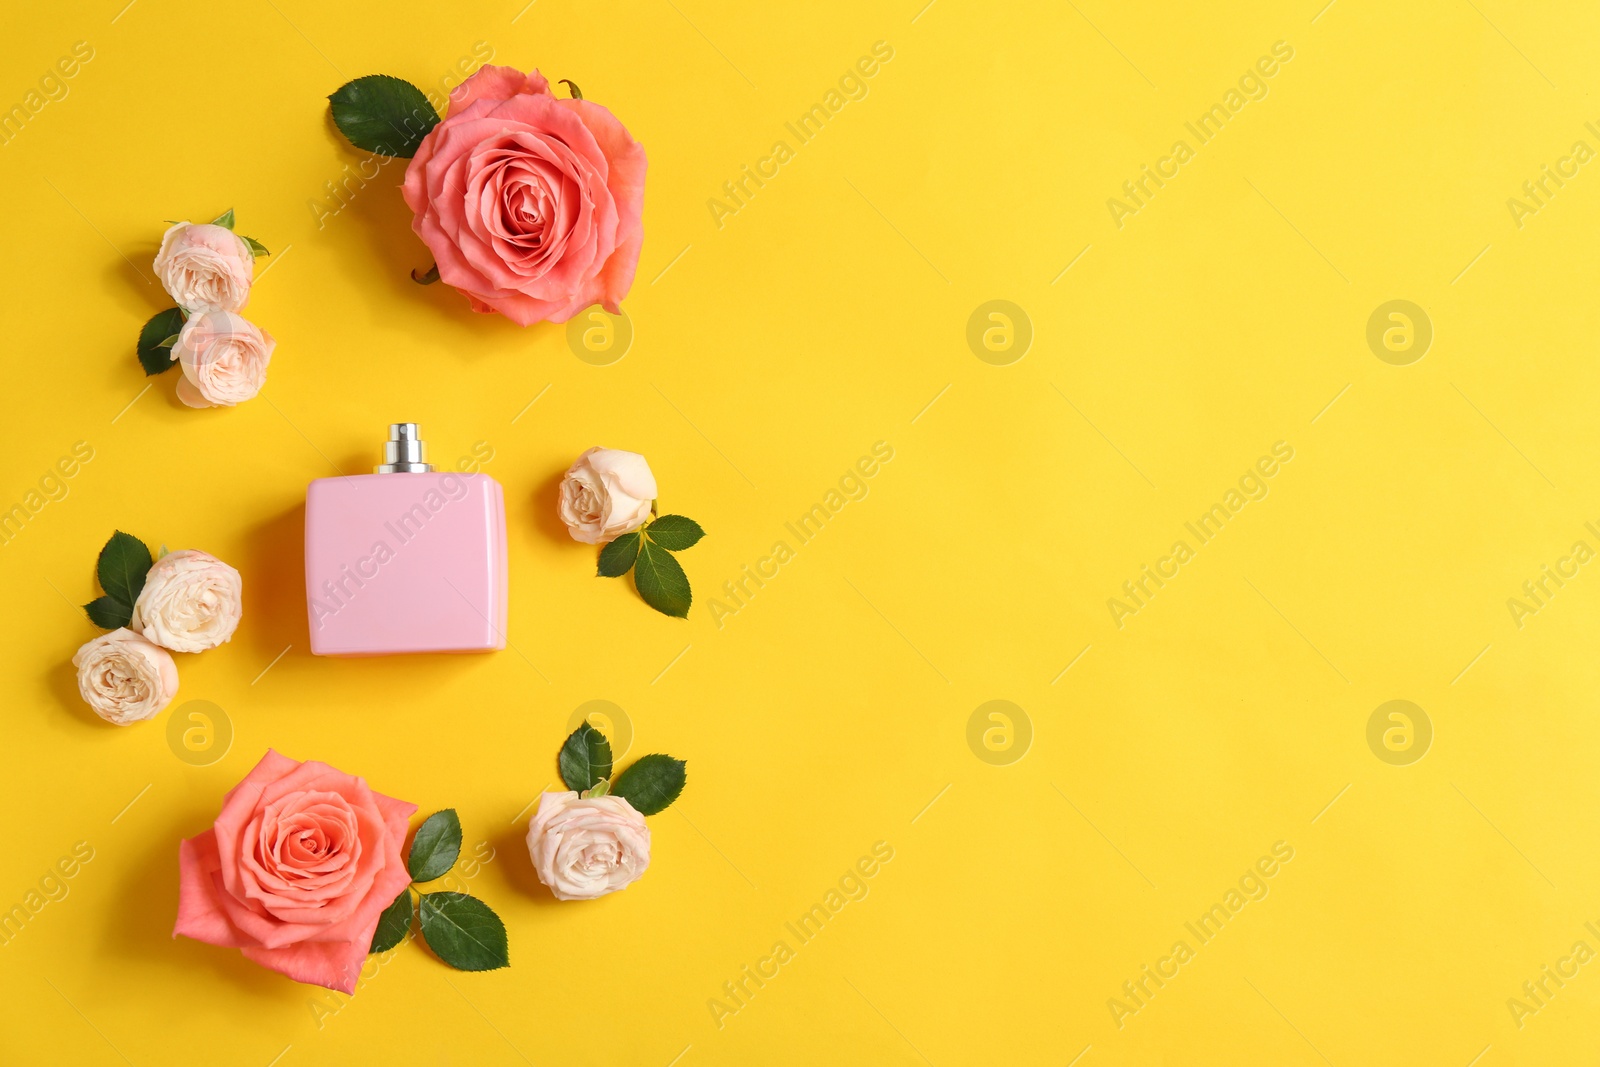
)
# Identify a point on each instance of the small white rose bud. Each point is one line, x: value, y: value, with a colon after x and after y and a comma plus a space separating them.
x: 584, y: 848
x: 606, y: 494
x: 191, y: 601
x: 124, y: 677
x: 205, y: 267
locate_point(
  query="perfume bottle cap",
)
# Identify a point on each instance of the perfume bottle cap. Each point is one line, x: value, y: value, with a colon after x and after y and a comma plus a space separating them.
x: 404, y: 452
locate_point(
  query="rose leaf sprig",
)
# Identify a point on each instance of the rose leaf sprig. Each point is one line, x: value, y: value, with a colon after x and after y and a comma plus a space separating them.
x: 208, y: 270
x: 608, y: 498
x: 548, y: 172
x: 461, y: 930
x: 184, y: 601
x: 122, y: 567
x: 592, y: 839
x: 657, y: 575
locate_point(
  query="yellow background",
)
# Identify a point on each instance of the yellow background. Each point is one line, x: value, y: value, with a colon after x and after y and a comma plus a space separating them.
x: 831, y: 711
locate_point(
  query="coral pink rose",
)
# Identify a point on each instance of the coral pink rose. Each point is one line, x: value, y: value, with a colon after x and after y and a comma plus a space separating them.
x: 532, y: 206
x: 300, y: 864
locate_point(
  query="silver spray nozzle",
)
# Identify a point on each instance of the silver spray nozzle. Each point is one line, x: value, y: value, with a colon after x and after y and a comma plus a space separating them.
x: 404, y: 453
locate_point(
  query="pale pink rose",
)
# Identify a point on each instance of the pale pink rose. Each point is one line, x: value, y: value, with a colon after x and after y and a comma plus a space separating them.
x: 191, y: 601
x: 124, y: 677
x: 532, y: 206
x: 205, y: 267
x: 606, y: 494
x: 299, y: 866
x: 223, y: 357
x: 584, y: 849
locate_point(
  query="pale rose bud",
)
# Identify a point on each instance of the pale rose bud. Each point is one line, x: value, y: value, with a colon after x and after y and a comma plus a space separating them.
x: 205, y: 267
x: 191, y: 602
x: 124, y: 677
x: 606, y: 494
x: 224, y: 359
x: 584, y: 849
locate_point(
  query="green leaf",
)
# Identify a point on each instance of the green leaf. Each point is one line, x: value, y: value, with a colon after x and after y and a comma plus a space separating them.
x: 661, y: 581
x: 224, y: 219
x: 257, y: 249
x: 674, y: 532
x: 651, y: 783
x: 464, y: 932
x: 108, y: 613
x: 427, y: 277
x: 585, y: 758
x: 152, y: 356
x: 600, y: 789
x: 436, y: 846
x: 123, y: 563
x: 617, y: 557
x: 394, y: 923
x: 383, y: 115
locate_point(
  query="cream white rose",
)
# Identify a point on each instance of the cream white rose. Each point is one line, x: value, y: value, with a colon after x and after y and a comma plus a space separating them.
x: 584, y: 849
x: 205, y: 267
x: 191, y: 601
x: 606, y: 494
x: 224, y: 359
x: 124, y: 677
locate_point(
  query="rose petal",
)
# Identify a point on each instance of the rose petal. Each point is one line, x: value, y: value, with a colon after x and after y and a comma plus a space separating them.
x: 496, y: 83
x: 625, y: 180
x: 191, y: 395
x: 332, y: 964
x: 200, y: 912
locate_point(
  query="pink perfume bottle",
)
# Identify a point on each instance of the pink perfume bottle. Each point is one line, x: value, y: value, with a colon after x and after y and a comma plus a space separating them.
x: 407, y: 559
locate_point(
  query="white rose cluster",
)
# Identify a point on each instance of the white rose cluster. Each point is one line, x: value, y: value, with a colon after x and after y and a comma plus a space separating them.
x: 208, y: 270
x: 191, y: 601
